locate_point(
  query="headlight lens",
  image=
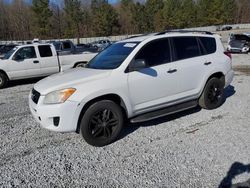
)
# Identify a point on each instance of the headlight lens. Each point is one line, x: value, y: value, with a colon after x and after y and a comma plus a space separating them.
x: 60, y: 96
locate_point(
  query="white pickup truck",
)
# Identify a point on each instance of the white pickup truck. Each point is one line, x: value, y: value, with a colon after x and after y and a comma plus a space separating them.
x: 37, y: 60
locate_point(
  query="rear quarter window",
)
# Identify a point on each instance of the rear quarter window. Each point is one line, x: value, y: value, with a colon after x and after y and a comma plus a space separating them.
x: 45, y: 51
x: 185, y: 47
x: 208, y: 45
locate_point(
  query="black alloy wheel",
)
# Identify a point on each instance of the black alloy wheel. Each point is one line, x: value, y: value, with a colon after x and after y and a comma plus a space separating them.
x: 102, y: 123
x: 213, y: 94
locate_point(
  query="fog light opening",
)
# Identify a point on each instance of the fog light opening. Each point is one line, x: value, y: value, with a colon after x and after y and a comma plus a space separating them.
x: 56, y: 121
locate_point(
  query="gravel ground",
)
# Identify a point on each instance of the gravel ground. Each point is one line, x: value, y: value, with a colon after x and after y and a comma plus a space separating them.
x: 195, y: 148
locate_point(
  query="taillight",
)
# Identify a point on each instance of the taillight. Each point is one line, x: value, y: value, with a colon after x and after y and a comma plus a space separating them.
x: 228, y: 54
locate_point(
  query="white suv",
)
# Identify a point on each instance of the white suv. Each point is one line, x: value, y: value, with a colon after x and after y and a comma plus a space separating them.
x: 139, y: 79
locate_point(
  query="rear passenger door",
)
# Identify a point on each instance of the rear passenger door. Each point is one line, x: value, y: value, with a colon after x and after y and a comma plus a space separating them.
x: 48, y: 61
x: 191, y: 66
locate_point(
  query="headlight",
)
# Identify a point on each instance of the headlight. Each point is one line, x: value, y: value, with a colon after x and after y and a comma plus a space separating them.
x: 60, y: 96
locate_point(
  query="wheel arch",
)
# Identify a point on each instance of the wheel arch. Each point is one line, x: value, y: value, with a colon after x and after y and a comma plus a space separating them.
x: 112, y: 97
x: 218, y: 75
x: 77, y: 63
x: 2, y: 71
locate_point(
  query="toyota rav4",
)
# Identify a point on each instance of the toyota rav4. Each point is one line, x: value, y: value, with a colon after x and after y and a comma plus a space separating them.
x: 137, y: 79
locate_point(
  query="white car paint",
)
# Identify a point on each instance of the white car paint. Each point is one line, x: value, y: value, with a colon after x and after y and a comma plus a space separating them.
x: 138, y: 91
x: 44, y: 66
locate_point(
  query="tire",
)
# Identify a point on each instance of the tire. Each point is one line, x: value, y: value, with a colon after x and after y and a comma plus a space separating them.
x: 213, y: 94
x: 3, y: 80
x: 102, y: 123
x: 80, y: 65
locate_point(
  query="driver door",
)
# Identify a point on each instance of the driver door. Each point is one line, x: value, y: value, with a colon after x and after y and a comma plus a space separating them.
x: 156, y: 82
x: 24, y: 63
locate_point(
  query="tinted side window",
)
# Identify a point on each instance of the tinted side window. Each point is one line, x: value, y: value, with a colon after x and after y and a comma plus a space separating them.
x: 26, y: 53
x: 45, y: 51
x: 185, y: 47
x: 242, y: 37
x: 66, y: 45
x: 208, y: 45
x: 155, y: 53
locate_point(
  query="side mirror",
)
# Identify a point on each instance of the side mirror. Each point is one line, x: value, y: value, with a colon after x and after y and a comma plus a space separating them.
x: 18, y: 58
x: 138, y: 64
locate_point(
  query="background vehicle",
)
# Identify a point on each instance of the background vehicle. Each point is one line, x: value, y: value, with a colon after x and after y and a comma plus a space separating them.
x: 247, y: 34
x: 226, y: 28
x: 101, y: 44
x: 223, y: 28
x: 37, y: 60
x: 67, y: 47
x: 87, y: 48
x: 5, y: 49
x: 239, y: 43
x: 139, y: 79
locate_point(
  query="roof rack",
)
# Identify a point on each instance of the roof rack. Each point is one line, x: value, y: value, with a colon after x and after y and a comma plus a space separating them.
x: 184, y: 31
x: 142, y: 35
x: 134, y: 36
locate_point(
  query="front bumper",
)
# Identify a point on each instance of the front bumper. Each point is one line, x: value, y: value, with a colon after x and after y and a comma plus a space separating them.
x: 229, y: 78
x: 67, y: 112
x: 238, y: 50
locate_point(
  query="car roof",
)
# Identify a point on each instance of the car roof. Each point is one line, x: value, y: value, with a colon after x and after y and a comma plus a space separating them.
x: 152, y: 36
x: 34, y: 44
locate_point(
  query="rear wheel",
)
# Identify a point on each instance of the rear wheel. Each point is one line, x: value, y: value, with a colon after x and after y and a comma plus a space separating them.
x: 3, y: 80
x: 102, y: 123
x: 212, y: 96
x: 80, y: 65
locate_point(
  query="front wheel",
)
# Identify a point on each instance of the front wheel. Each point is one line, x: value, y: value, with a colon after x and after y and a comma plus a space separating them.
x: 102, y: 123
x: 3, y: 80
x: 212, y: 96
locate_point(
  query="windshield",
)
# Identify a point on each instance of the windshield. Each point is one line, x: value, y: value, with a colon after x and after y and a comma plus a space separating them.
x: 9, y: 53
x: 113, y: 56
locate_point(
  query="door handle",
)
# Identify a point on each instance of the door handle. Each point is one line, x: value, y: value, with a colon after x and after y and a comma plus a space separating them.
x: 172, y: 70
x: 36, y: 61
x: 207, y: 63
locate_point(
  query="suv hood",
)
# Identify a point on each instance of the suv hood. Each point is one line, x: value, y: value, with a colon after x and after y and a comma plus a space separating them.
x: 69, y: 78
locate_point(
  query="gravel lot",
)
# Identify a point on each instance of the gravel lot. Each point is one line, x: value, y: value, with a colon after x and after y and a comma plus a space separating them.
x: 195, y: 148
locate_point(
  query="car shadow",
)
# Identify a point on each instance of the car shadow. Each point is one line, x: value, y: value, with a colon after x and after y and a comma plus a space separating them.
x: 23, y: 82
x: 236, y: 169
x: 228, y: 92
x: 131, y: 127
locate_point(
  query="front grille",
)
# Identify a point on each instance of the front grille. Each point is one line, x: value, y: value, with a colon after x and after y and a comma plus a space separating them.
x: 35, y: 95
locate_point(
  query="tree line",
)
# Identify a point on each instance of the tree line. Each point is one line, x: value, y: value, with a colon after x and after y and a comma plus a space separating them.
x: 20, y: 20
